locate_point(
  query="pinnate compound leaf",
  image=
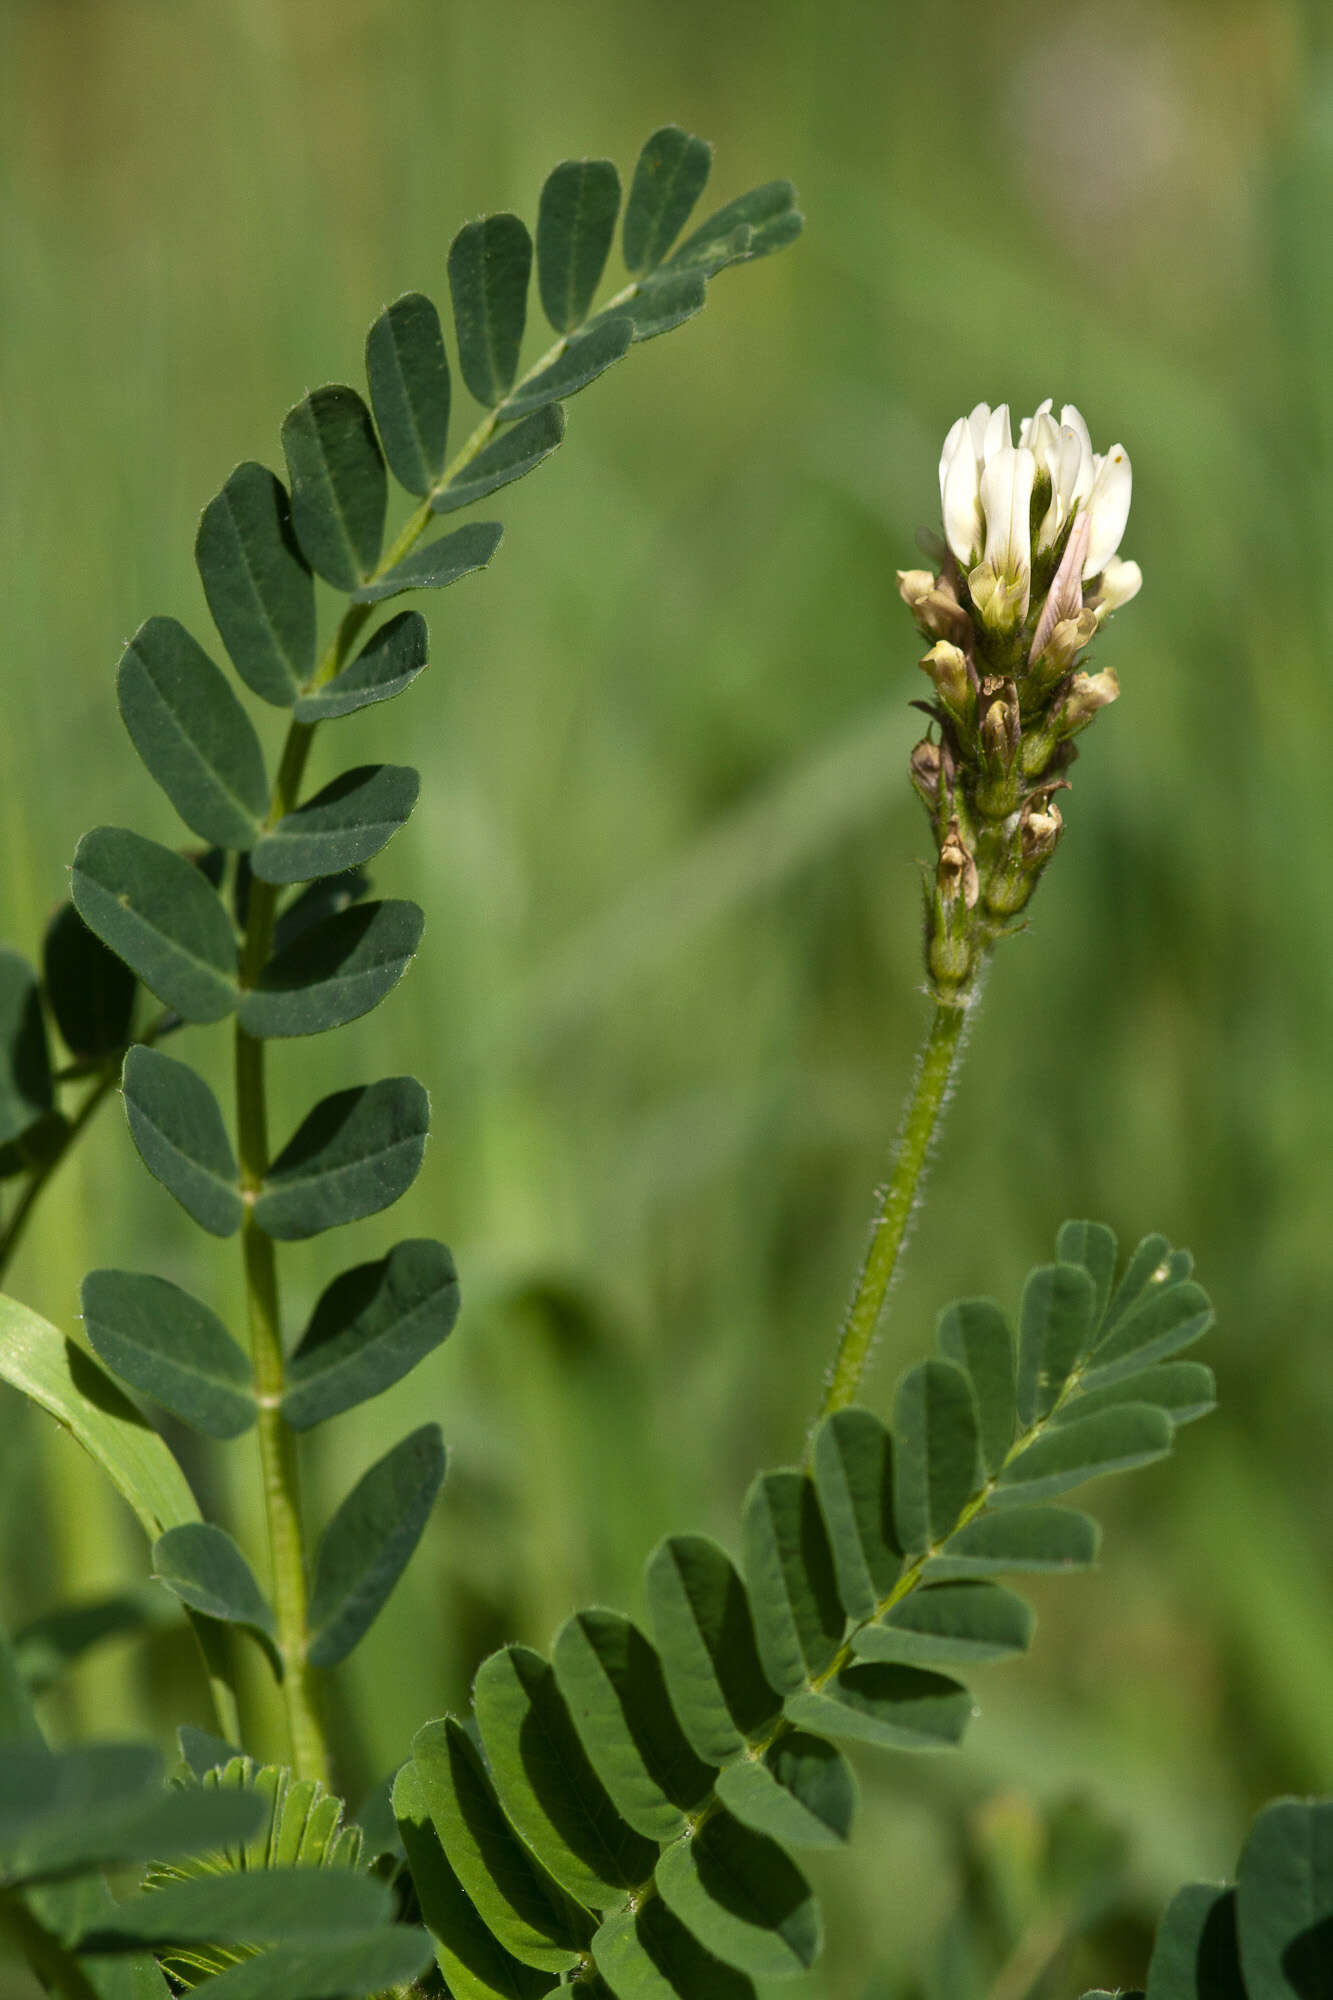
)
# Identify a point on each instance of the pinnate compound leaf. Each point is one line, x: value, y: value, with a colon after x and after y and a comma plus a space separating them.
x: 409, y: 388
x: 1019, y: 1540
x: 743, y: 1897
x: 798, y: 1615
x: 490, y: 262
x: 853, y: 1464
x: 1184, y: 1389
x: 90, y: 989
x: 768, y: 215
x: 206, y: 1570
x: 582, y: 359
x: 192, y: 733
x: 652, y: 1955
x: 355, y: 1153
x: 438, y: 564
x: 897, y: 1707
x: 351, y: 818
x: 73, y: 1388
x: 177, y: 1126
x: 802, y: 1793
x: 1094, y: 1246
x: 171, y: 1348
x: 551, y: 1792
x: 335, y: 972
x: 339, y: 486
x: 1196, y: 1956
x: 705, y: 1635
x: 1055, y: 1326
x: 1065, y: 1455
x: 262, y: 1905
x: 258, y: 584
x: 950, y: 1624
x: 370, y: 1327
x: 976, y: 1334
x: 508, y: 456
x: 576, y: 221
x: 157, y: 911
x: 369, y: 1543
x: 522, y: 1905
x: 388, y: 663
x: 670, y: 176
x: 935, y: 1423
x: 1284, y: 1899
x: 26, y: 1091
x: 384, y: 1959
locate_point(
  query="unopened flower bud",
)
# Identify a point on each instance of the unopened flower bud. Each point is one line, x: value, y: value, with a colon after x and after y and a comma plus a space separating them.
x: 947, y: 666
x: 925, y: 772
x: 1119, y: 582
x: 1000, y: 733
x: 1087, y: 693
x: 1040, y: 829
x: 1063, y: 646
x: 914, y: 584
x: 1001, y: 600
x: 957, y: 874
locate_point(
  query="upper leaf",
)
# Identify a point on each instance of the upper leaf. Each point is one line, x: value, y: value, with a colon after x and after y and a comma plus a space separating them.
x: 581, y: 360
x: 334, y: 972
x: 339, y: 486
x: 157, y: 911
x: 205, y: 1568
x: 355, y: 1153
x: 91, y: 989
x: 351, y: 818
x: 576, y: 221
x: 258, y: 584
x: 369, y: 1542
x: 507, y: 457
x: 409, y: 387
x: 754, y: 225
x: 436, y: 565
x: 668, y: 179
x: 177, y: 1126
x: 171, y: 1347
x: 193, y: 734
x: 490, y: 262
x: 386, y: 664
x: 370, y: 1327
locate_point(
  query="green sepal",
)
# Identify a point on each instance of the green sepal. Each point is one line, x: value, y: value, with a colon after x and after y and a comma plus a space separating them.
x: 340, y: 488
x: 798, y: 1616
x: 258, y: 584
x: 950, y: 1624
x: 171, y: 1348
x: 509, y: 456
x: 351, y: 818
x: 436, y: 565
x: 369, y: 1543
x: 157, y: 911
x: 1027, y: 1540
x: 490, y: 262
x: 386, y: 664
x: 353, y: 1155
x: 335, y: 972
x: 206, y: 1570
x: 669, y: 177
x: 767, y: 215
x: 576, y: 223
x: 581, y: 360
x: 743, y: 1897
x: 896, y: 1707
x: 370, y: 1327
x: 408, y: 374
x: 177, y: 1126
x: 936, y: 1463
x: 705, y: 1635
x: 801, y: 1792
x: 91, y: 989
x: 853, y: 1467
x: 192, y: 734
x: 26, y: 1090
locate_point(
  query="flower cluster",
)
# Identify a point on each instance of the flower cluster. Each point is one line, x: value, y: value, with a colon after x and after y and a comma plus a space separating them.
x: 1029, y: 572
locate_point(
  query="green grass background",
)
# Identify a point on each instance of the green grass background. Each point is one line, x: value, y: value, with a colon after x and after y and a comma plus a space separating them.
x: 670, y: 995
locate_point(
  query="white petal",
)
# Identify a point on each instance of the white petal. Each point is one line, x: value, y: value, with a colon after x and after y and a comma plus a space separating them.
x: 998, y: 436
x: 1120, y: 582
x: 1108, y: 507
x: 960, y: 503
x: 977, y: 420
x: 957, y: 432
x: 1032, y: 423
x: 1070, y: 419
x: 1006, y: 500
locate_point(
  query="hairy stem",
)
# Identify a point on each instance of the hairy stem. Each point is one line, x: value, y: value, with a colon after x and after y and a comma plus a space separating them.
x: 935, y: 1067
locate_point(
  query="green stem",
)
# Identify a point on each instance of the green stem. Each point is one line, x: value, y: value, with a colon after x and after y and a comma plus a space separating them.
x: 55, y: 1966
x: 935, y: 1068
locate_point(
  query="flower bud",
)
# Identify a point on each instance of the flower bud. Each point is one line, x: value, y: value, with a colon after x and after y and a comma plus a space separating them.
x: 914, y: 584
x: 957, y: 873
x: 1066, y: 641
x: 1118, y: 583
x: 947, y: 666
x: 924, y: 767
x: 1040, y: 828
x: 1001, y: 602
x: 1001, y: 731
x: 1087, y: 693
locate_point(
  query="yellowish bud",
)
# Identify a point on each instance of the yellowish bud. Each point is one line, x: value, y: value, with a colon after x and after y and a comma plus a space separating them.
x: 1087, y: 694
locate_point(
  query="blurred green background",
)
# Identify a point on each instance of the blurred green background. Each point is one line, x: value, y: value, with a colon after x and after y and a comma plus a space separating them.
x: 670, y: 992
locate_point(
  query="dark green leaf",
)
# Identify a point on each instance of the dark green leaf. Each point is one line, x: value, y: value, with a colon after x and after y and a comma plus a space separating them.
x: 950, y: 1624
x: 156, y: 910
x: 668, y: 180
x: 176, y: 1124
x: 25, y: 1064
x: 1026, y: 1540
x: 40, y: 1145
x: 409, y: 387
x: 659, y: 304
x: 743, y: 1897
x: 523, y: 1906
x: 652, y: 1956
x: 339, y: 487
x: 387, y: 1958
x: 206, y: 1570
x: 802, y: 1793
x: 369, y: 1543
x: 853, y: 1464
x: 490, y: 262
x: 350, y: 819
x: 554, y: 1798
x: 355, y: 1153
x: 386, y: 665
x: 262, y: 1906
x: 334, y: 973
x: 1092, y: 1245
x: 1065, y: 1455
x: 48, y: 1646
x: 473, y: 1961
x: 192, y: 733
x: 705, y: 1635
x: 975, y: 1334
x: 612, y: 1681
x: 897, y: 1707
x: 203, y: 1752
x: 259, y: 588
x: 90, y: 989
x: 798, y: 1616
x: 1055, y: 1323
x: 370, y: 1328
x: 1195, y: 1956
x: 1148, y: 1266
x: 1284, y: 1898
x: 935, y: 1427
x: 1166, y: 1320
x: 1184, y: 1389
x: 770, y: 215
x: 438, y: 564
x: 576, y: 220
x: 509, y: 455
x: 323, y: 898
x: 582, y: 359
x: 170, y: 1347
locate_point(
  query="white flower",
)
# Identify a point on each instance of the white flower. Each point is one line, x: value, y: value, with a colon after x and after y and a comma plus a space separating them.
x: 1108, y: 508
x: 1119, y: 582
x: 1006, y: 501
